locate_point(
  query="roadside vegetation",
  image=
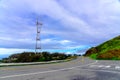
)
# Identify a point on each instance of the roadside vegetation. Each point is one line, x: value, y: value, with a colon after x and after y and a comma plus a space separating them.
x: 0, y: 61
x: 36, y: 57
x: 109, y: 50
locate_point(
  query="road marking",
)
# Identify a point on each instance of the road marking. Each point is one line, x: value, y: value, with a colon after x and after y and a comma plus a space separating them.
x: 101, y: 70
x: 26, y: 67
x: 100, y: 66
x: 46, y: 71
x: 107, y: 66
x: 93, y: 65
x: 117, y: 67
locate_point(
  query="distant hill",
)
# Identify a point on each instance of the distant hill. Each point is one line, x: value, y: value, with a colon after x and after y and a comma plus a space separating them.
x: 109, y: 50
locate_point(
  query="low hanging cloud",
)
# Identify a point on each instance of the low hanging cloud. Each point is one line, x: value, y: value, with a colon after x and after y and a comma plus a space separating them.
x: 66, y: 23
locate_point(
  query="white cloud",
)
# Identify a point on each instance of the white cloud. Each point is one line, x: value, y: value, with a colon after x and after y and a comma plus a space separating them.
x: 65, y: 41
x: 77, y: 21
x: 55, y: 41
x: 9, y: 51
x: 4, y: 51
x: 96, y: 14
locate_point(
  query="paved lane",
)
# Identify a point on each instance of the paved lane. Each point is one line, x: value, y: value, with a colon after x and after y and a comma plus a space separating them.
x: 73, y: 70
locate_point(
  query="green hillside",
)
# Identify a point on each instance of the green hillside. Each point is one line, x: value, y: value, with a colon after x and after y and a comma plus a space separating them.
x: 109, y: 50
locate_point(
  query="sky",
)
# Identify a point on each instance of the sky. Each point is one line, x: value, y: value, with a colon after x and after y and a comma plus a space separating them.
x: 67, y: 24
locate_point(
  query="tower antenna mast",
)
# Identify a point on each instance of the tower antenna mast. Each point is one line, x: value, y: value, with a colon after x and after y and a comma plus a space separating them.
x: 38, y: 39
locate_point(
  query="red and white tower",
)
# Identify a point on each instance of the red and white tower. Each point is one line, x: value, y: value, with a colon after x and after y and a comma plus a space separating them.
x: 38, y: 38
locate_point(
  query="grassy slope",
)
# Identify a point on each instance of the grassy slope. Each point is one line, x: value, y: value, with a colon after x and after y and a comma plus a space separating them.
x: 108, y: 50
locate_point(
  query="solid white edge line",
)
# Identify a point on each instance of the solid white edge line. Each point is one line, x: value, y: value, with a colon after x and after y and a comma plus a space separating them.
x: 46, y: 71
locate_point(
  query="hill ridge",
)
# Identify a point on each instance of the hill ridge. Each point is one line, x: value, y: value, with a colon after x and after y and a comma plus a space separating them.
x: 107, y: 50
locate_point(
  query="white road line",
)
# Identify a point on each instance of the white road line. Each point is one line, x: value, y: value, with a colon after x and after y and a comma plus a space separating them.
x: 107, y: 66
x: 93, y: 65
x: 101, y: 70
x: 117, y: 67
x: 104, y: 66
x: 100, y: 66
x: 45, y: 71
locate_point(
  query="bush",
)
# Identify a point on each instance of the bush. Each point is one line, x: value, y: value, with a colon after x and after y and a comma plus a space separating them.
x: 93, y: 56
x: 35, y: 57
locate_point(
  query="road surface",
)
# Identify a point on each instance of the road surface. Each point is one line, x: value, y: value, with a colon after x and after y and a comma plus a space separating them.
x: 78, y: 69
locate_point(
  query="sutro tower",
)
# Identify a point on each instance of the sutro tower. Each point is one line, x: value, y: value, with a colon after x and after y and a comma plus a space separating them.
x: 38, y: 39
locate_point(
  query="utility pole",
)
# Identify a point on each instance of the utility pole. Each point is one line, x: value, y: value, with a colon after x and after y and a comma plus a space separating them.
x: 38, y: 39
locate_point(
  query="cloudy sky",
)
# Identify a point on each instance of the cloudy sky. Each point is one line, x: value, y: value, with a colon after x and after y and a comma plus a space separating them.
x: 66, y: 23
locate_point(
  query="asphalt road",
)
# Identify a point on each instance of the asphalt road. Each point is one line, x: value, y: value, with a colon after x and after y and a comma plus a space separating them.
x: 78, y: 69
